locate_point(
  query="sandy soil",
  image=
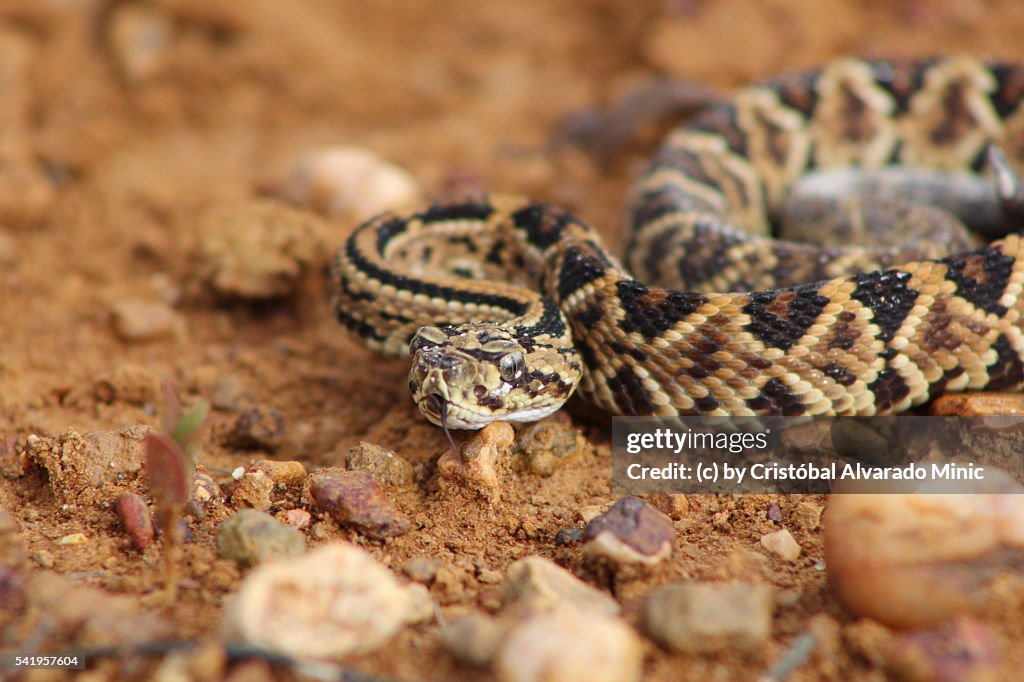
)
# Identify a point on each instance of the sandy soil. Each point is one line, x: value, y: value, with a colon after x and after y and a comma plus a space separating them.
x: 109, y: 156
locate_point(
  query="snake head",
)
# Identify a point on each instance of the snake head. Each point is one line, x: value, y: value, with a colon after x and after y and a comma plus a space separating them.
x: 467, y: 376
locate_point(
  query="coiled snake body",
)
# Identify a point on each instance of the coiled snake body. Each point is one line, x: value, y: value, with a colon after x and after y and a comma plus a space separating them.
x: 521, y: 302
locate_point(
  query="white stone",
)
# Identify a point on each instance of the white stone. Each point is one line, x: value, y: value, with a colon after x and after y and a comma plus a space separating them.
x: 331, y: 603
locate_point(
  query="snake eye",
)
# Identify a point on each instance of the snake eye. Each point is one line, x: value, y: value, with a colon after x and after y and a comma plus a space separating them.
x: 511, y: 366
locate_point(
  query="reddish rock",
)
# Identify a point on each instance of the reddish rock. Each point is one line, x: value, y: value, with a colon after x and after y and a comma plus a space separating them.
x: 136, y: 519
x: 354, y: 499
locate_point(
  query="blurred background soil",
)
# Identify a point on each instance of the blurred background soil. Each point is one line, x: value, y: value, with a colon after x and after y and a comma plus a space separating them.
x: 121, y: 123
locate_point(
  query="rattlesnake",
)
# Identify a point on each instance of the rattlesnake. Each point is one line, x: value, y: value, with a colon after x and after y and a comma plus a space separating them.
x: 520, y: 303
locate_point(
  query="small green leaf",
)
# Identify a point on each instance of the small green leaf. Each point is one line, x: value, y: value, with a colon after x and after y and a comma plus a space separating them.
x: 190, y: 422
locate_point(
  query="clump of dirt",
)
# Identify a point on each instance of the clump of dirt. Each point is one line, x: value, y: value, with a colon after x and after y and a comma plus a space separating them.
x: 127, y: 125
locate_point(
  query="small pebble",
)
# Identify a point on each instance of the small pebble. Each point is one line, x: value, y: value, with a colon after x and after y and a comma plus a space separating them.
x: 139, y: 37
x: 139, y: 320
x: 205, y: 491
x: 808, y: 515
x: 423, y: 569
x: 258, y: 249
x: 253, y: 491
x: 353, y: 498
x: 568, y: 645
x: 349, y: 184
x: 535, y: 584
x: 782, y: 544
x: 673, y: 505
x: 333, y: 602
x: 299, y: 519
x: 283, y: 473
x: 136, y: 519
x: 700, y: 618
x: 383, y: 464
x: 475, y: 467
x: 568, y: 536
x: 774, y: 513
x: 592, y: 511
x: 250, y: 537
x: 259, y: 428
x: 542, y: 446
x: 631, y: 532
x: 910, y: 560
x: 228, y: 394
x: 473, y: 639
x: 73, y: 539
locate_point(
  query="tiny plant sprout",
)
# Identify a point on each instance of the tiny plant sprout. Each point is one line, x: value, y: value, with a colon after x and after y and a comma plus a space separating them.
x: 171, y: 459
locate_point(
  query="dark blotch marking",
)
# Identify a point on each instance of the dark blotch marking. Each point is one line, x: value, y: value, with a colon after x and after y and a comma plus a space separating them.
x: 981, y: 277
x: 543, y: 225
x: 356, y: 326
x: 780, y: 400
x: 706, y: 251
x: 490, y: 402
x: 464, y: 211
x: 430, y: 289
x: 889, y: 388
x: 839, y: 374
x: 1007, y: 371
x: 387, y: 230
x: 707, y: 403
x: 780, y: 318
x: 392, y: 317
x: 350, y: 293
x: 651, y: 311
x: 939, y: 387
x: 550, y: 323
x: 721, y: 120
x: 494, y: 255
x: 589, y: 317
x: 629, y: 393
x: 631, y: 351
x: 586, y: 351
x: 843, y: 334
x: 578, y: 269
x: 467, y: 242
x: 887, y: 295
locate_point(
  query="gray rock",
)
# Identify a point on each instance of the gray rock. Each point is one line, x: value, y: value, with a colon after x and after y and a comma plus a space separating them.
x: 535, y: 584
x: 381, y: 463
x: 473, y: 639
x: 250, y: 537
x: 704, y: 617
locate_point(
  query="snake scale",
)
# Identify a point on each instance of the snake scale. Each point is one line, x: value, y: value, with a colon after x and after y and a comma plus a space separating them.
x: 509, y: 306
